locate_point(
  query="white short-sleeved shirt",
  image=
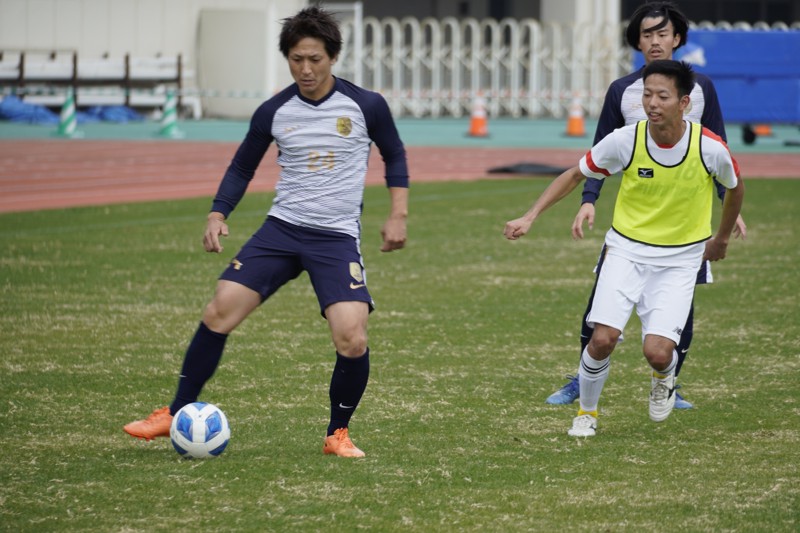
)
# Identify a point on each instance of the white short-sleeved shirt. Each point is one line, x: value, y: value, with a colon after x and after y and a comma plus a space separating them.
x: 613, y: 153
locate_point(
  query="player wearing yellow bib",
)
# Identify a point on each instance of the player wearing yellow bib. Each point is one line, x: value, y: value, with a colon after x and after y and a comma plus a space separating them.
x: 661, y: 232
x: 657, y: 29
x: 665, y: 205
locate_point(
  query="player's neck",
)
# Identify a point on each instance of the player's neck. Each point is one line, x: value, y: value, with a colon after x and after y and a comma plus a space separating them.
x: 667, y: 134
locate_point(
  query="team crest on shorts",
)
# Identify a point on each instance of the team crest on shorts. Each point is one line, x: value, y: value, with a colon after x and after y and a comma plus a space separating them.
x: 355, y: 271
x: 237, y: 265
x: 344, y: 126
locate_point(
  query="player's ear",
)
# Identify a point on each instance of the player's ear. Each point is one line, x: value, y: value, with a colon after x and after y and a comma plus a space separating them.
x: 678, y: 41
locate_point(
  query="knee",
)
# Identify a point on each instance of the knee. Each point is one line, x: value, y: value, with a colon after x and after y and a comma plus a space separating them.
x: 213, y: 317
x: 231, y: 304
x: 220, y: 318
x: 351, y: 343
x: 603, y: 342
x: 659, y: 358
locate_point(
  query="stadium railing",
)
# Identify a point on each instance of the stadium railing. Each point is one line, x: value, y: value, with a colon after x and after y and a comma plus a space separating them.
x: 40, y: 77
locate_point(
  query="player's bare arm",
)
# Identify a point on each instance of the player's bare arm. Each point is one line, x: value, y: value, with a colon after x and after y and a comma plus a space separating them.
x: 717, y: 246
x: 215, y: 226
x: 585, y: 214
x: 558, y: 189
x: 394, y: 229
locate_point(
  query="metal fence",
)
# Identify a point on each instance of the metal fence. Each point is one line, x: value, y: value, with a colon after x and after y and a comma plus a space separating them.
x: 436, y: 68
x: 430, y: 67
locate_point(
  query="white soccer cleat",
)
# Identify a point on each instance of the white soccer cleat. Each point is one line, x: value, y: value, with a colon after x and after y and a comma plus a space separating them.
x: 583, y: 426
x: 662, y: 396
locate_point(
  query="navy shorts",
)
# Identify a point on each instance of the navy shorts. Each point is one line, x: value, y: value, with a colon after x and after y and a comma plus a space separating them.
x: 279, y: 252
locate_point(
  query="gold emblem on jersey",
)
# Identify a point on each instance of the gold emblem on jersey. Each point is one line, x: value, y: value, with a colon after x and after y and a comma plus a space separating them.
x: 355, y: 271
x: 344, y: 126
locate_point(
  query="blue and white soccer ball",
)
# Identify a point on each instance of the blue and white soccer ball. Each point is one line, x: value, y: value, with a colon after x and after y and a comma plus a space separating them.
x: 200, y: 430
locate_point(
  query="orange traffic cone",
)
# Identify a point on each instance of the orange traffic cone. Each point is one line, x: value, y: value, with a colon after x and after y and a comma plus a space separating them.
x: 575, y: 123
x: 478, y: 126
x: 762, y: 130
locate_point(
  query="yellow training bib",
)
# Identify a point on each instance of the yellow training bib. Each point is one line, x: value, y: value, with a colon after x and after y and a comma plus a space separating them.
x: 661, y: 205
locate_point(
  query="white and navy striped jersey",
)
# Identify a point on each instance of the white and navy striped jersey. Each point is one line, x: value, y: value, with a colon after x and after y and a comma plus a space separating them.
x: 323, y: 150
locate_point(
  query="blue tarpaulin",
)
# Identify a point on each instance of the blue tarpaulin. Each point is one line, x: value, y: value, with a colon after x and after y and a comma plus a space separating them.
x: 114, y: 113
x: 16, y: 110
x: 756, y: 72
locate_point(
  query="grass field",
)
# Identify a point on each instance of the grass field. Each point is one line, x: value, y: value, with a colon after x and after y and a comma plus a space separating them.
x: 471, y: 334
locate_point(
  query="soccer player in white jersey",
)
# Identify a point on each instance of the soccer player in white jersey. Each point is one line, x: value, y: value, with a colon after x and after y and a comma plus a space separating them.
x: 323, y: 127
x: 660, y: 234
x: 656, y: 29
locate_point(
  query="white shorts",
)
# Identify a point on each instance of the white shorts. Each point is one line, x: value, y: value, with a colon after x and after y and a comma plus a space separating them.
x: 662, y: 296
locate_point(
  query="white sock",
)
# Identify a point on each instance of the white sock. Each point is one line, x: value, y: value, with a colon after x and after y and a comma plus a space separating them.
x: 592, y: 376
x: 671, y: 368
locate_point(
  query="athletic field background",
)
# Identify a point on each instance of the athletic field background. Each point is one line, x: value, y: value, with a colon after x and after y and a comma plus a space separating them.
x: 470, y: 335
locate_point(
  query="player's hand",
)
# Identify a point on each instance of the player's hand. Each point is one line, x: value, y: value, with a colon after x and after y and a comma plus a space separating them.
x: 394, y: 234
x: 214, y: 228
x: 585, y: 214
x: 715, y: 249
x: 516, y: 228
x: 740, y: 229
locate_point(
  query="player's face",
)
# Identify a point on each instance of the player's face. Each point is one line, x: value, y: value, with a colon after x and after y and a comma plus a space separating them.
x: 657, y: 43
x: 311, y: 66
x: 661, y: 101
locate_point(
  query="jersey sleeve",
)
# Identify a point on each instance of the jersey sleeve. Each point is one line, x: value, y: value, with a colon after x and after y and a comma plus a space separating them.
x: 383, y: 132
x: 246, y: 160
x: 712, y: 118
x: 718, y: 160
x: 610, y: 119
x: 611, y: 115
x: 610, y: 155
x: 712, y: 114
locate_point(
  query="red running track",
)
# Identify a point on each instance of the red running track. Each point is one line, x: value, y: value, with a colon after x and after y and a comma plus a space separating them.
x: 44, y: 174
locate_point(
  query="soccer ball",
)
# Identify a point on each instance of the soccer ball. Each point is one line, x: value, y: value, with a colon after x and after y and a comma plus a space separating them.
x: 200, y: 430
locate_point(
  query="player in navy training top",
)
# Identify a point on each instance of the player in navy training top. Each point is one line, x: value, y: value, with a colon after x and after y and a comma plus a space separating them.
x: 323, y: 128
x: 656, y: 29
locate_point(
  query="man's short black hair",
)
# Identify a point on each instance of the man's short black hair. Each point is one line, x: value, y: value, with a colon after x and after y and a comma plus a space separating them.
x: 679, y: 71
x: 312, y: 22
x: 668, y: 10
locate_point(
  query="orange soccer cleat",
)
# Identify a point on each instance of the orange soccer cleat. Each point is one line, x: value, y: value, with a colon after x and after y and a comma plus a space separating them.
x: 155, y: 425
x: 340, y: 444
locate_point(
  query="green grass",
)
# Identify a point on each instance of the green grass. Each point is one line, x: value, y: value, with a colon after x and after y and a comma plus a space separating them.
x: 470, y: 335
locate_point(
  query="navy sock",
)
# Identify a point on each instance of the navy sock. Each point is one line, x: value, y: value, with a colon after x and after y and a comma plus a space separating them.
x: 685, y: 340
x: 201, y: 360
x: 586, y: 331
x: 348, y: 383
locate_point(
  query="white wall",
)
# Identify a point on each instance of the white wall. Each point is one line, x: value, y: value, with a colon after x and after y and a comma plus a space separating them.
x: 142, y: 28
x: 603, y: 12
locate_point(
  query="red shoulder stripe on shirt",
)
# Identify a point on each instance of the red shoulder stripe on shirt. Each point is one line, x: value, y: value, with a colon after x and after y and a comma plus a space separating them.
x: 593, y: 167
